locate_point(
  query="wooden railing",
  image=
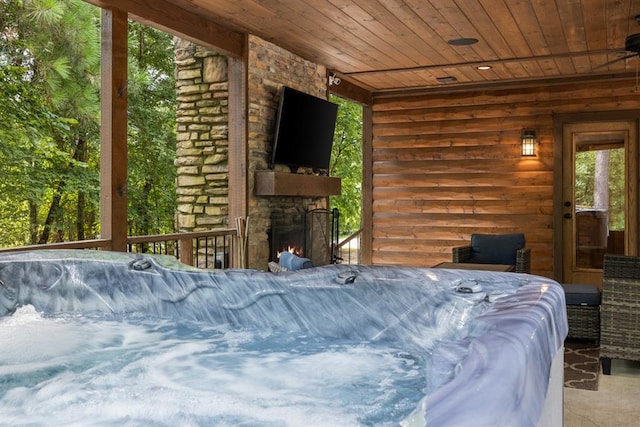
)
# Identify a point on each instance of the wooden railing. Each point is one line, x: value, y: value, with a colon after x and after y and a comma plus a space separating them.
x: 205, y: 249
x: 348, y: 250
x: 80, y: 244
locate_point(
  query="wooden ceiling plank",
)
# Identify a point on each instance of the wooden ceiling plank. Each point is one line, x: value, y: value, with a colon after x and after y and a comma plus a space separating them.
x: 620, y: 23
x: 548, y: 16
x: 481, y: 23
x: 548, y: 67
x: 565, y: 66
x: 420, y: 33
x: 515, y: 27
x: 583, y: 64
x: 405, y: 27
x: 404, y: 80
x: 328, y: 33
x: 571, y: 14
x: 324, y: 17
x: 595, y: 18
x: 436, y: 29
x: 448, y: 22
x: 373, y: 29
x: 526, y: 19
x: 245, y: 15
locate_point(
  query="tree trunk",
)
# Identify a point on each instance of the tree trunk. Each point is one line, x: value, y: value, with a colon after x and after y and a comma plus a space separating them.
x: 80, y: 212
x: 53, y: 215
x: 145, y: 224
x: 81, y: 155
x: 33, y: 222
x: 601, y: 184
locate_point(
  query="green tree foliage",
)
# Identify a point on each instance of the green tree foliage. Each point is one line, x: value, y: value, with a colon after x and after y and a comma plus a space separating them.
x: 585, y: 175
x: 346, y: 163
x: 49, y: 54
x: 49, y: 124
x: 152, y: 137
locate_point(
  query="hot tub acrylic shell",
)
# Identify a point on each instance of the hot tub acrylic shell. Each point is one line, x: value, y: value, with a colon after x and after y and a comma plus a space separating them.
x: 489, y: 359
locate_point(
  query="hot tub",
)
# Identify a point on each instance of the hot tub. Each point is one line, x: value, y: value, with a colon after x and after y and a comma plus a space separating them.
x: 94, y: 337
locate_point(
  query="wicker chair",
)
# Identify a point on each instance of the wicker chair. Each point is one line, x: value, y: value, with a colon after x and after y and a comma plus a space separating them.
x: 508, y: 249
x: 620, y: 310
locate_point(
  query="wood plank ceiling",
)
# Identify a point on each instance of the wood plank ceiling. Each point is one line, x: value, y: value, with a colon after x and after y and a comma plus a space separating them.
x: 392, y: 45
x: 384, y: 45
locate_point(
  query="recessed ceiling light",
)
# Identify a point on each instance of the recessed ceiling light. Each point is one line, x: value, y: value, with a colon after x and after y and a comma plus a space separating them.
x: 446, y: 79
x: 462, y: 41
x: 484, y: 67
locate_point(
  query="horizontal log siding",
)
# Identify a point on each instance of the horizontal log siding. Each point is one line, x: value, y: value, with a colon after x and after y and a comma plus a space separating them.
x: 448, y: 165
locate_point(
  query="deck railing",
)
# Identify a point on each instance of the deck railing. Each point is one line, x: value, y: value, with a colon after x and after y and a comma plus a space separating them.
x: 204, y: 249
x: 348, y: 250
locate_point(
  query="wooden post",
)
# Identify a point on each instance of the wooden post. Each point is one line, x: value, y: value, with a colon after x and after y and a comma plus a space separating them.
x: 113, y: 134
x: 366, y: 240
x: 238, y: 165
x: 185, y: 246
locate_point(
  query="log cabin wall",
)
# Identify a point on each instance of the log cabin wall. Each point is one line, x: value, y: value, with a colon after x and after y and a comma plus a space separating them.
x: 446, y: 165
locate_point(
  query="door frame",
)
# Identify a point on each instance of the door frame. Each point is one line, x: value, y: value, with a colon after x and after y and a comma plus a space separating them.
x: 559, y: 122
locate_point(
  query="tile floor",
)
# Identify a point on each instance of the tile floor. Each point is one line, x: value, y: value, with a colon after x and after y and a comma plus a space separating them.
x: 614, y: 404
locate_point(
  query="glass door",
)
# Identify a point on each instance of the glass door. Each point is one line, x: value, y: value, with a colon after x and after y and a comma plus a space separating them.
x: 598, y: 197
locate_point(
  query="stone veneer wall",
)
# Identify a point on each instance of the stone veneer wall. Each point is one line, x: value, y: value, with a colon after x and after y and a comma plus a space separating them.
x: 202, y: 137
x: 202, y: 144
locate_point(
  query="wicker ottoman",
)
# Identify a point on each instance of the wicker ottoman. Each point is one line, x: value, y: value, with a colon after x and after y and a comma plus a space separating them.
x: 583, y: 311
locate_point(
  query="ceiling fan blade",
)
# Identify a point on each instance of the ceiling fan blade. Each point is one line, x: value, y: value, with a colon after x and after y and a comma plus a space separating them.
x: 615, y: 60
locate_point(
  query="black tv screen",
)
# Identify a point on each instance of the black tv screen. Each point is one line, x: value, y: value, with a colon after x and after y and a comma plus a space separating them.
x: 304, y: 131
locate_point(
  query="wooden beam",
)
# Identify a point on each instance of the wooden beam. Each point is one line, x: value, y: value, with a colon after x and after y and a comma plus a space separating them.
x: 113, y: 133
x: 473, y: 64
x: 238, y: 144
x: 271, y: 183
x: 511, y: 85
x: 347, y: 89
x: 366, y: 242
x: 188, y: 24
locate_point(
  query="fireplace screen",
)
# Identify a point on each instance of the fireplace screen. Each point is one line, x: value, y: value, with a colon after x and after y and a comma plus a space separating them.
x: 312, y: 234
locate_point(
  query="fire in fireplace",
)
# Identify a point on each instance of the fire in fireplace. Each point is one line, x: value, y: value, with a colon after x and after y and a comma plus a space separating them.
x: 286, y: 233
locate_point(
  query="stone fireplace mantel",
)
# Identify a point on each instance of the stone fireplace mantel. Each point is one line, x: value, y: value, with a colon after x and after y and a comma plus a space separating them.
x: 272, y: 183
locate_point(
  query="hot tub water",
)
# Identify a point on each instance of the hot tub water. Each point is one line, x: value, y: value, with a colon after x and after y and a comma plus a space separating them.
x: 159, y: 372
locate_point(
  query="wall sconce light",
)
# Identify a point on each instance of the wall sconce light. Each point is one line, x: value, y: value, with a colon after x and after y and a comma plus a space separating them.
x: 529, y: 141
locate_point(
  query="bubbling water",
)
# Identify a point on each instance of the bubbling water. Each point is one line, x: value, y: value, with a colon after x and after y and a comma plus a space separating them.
x: 158, y: 372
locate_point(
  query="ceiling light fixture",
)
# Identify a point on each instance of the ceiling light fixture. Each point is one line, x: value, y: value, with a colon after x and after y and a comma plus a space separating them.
x: 462, y: 41
x: 484, y: 67
x: 446, y: 79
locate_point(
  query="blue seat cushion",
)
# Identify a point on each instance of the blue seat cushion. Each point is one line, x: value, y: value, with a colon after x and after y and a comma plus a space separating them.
x: 496, y: 248
x: 294, y: 262
x: 581, y: 294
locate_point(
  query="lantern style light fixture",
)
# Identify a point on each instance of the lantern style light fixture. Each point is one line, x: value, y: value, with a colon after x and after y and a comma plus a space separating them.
x: 528, y: 142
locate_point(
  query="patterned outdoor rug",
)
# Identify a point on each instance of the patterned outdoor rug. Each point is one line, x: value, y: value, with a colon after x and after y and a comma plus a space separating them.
x: 581, y: 365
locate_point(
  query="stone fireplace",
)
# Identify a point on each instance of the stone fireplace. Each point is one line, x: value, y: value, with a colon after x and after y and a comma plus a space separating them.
x: 202, y: 160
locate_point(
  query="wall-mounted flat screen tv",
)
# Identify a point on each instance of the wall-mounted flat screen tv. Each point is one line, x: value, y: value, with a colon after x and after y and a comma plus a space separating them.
x: 304, y: 131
